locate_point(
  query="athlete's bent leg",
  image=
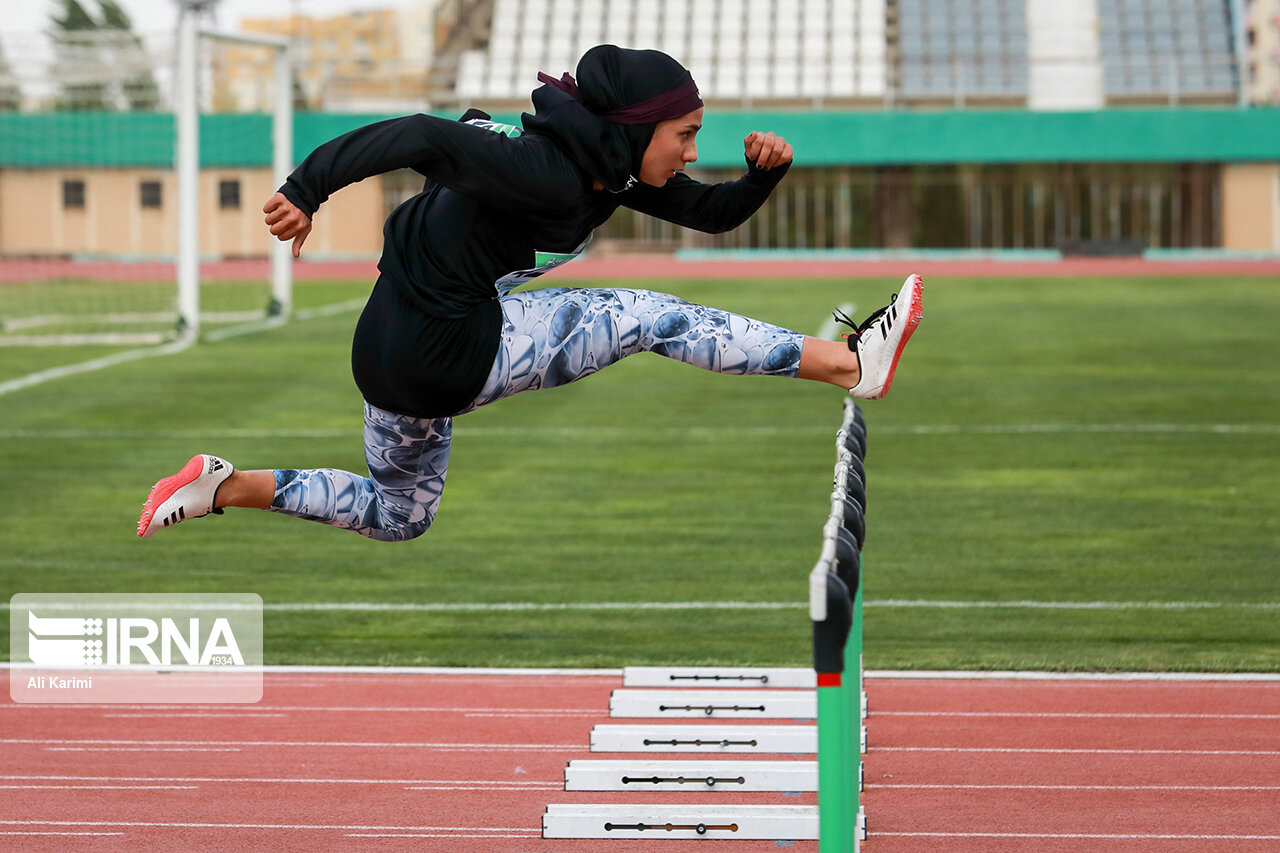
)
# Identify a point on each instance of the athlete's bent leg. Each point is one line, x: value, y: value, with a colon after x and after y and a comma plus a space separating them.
x: 408, y: 461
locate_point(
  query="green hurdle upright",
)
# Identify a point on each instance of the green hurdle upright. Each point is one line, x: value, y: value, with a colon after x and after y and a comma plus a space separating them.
x: 835, y: 606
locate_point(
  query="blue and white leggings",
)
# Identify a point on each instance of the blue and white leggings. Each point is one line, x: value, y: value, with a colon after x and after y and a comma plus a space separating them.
x: 549, y: 337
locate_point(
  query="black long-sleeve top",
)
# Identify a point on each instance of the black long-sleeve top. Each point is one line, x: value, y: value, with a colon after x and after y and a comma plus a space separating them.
x: 496, y: 206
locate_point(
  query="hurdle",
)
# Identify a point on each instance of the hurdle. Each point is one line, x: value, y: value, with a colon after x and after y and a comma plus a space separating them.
x: 716, y: 753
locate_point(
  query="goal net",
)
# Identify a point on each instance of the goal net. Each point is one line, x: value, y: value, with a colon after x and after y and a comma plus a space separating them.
x: 104, y: 240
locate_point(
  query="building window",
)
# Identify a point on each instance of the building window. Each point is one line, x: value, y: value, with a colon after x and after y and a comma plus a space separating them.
x: 229, y: 195
x: 149, y: 194
x: 73, y: 195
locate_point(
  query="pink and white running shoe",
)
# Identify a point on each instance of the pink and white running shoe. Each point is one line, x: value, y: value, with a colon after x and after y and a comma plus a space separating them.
x: 879, y: 340
x: 187, y: 494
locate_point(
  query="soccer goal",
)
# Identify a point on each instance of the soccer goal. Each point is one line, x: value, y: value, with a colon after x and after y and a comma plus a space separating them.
x: 133, y: 168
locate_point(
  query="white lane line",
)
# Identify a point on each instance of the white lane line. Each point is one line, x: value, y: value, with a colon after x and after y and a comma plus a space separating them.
x: 1202, y: 679
x: 268, y: 780
x: 242, y: 715
x: 546, y: 786
x: 1100, y: 836
x: 1077, y: 787
x: 1205, y: 679
x: 138, y: 749
x: 103, y: 787
x: 1070, y: 715
x: 235, y: 744
x: 529, y: 834
x: 478, y: 830
x: 249, y: 714
x: 59, y: 834
x: 1072, y: 751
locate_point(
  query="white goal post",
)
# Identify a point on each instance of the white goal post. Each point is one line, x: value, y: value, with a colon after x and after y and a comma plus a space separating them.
x: 187, y: 162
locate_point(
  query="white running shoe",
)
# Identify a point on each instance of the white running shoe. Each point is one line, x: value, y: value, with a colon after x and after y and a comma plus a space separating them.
x: 880, y: 339
x: 187, y: 494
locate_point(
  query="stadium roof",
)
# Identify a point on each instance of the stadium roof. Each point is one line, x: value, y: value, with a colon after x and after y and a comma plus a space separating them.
x: 832, y: 138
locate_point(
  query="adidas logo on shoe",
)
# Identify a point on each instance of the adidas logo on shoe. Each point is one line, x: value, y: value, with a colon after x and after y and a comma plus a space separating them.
x: 187, y: 494
x: 878, y: 354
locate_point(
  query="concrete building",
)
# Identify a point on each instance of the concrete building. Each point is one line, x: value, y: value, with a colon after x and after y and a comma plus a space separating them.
x: 103, y: 184
x: 367, y: 60
x: 1264, y: 51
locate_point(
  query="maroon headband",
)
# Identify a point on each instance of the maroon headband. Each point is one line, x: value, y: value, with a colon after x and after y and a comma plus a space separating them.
x: 673, y: 103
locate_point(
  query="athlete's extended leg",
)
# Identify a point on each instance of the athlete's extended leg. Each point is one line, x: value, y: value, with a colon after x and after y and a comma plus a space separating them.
x: 555, y: 336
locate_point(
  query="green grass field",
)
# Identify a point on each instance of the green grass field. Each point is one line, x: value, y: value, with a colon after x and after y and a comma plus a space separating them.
x: 1055, y: 440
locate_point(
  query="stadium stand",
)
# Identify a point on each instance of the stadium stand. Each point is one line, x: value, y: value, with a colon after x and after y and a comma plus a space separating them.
x: 870, y: 52
x: 739, y: 50
x: 1167, y: 50
x: 962, y: 49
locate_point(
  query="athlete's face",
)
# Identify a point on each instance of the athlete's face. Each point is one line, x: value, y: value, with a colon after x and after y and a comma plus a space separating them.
x: 671, y: 148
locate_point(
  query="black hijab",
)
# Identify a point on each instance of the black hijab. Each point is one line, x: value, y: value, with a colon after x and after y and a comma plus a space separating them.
x: 605, y: 119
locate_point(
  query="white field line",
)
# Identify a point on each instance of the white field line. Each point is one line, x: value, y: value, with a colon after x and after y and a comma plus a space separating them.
x: 830, y: 328
x: 178, y: 346
x: 556, y: 606
x: 898, y: 603
x: 32, y: 379
x: 716, y: 433
x: 487, y: 607
x: 111, y: 339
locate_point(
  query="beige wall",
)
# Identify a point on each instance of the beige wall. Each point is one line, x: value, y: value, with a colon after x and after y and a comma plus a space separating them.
x: 1251, y: 206
x: 33, y: 221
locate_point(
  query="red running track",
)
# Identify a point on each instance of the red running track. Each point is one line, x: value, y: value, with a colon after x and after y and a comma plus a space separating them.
x: 467, y: 762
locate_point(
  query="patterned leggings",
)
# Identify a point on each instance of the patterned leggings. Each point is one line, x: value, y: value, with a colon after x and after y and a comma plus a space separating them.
x: 549, y: 337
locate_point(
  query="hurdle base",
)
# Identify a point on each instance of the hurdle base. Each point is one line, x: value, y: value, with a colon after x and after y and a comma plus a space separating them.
x: 735, y: 677
x: 700, y: 704
x: 681, y: 822
x: 723, y: 739
x: 710, y: 775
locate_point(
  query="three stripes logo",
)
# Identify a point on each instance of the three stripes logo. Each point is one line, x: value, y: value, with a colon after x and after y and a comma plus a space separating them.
x: 889, y: 317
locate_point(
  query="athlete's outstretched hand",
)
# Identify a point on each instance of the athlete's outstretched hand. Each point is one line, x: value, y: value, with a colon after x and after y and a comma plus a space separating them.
x: 287, y: 222
x: 767, y: 150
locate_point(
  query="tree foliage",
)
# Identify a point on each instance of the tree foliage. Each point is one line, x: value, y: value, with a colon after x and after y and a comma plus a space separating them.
x: 100, y: 62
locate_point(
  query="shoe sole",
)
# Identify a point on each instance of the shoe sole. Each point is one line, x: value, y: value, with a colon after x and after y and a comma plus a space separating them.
x: 914, y: 315
x: 166, y: 489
